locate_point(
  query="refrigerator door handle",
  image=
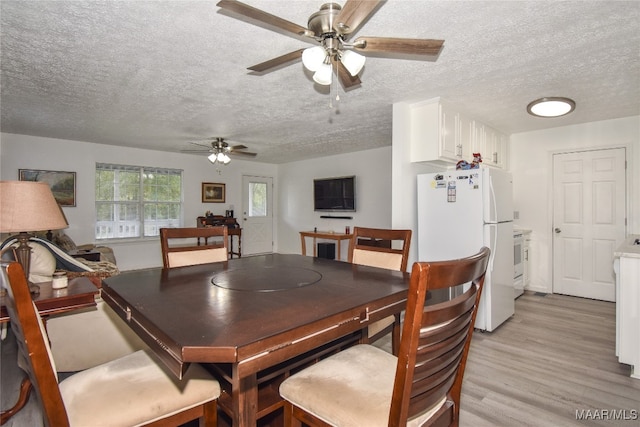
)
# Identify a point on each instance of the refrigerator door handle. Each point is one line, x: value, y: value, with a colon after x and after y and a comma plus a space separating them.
x: 492, y: 191
x: 493, y: 240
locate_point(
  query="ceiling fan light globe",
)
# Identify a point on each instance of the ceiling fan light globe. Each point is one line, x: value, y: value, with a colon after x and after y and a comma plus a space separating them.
x: 220, y: 157
x: 313, y: 57
x: 226, y: 159
x: 352, y: 61
x: 323, y: 75
x: 212, y: 158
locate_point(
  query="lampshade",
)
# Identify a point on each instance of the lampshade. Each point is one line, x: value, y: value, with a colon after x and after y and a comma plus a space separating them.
x: 29, y: 206
x: 352, y: 61
x: 323, y: 75
x: 313, y: 57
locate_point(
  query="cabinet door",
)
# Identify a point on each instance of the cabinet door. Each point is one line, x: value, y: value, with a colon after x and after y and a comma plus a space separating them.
x: 500, y: 150
x: 491, y: 144
x: 449, y: 148
x: 466, y: 137
x: 481, y: 141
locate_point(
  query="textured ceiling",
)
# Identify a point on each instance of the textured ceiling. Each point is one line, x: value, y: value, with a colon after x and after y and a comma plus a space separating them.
x: 158, y: 74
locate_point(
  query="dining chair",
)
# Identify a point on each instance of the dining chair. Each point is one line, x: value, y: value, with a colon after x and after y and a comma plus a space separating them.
x: 366, y: 386
x: 181, y: 246
x: 378, y: 247
x: 131, y: 390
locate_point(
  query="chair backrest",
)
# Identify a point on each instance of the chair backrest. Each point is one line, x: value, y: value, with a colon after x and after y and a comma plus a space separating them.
x: 378, y: 247
x: 435, y: 338
x: 34, y: 352
x: 182, y: 246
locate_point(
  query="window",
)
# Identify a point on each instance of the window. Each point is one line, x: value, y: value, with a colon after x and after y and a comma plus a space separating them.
x: 135, y: 201
x: 257, y: 199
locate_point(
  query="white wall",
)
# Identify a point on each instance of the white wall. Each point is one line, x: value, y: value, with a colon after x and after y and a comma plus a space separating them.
x: 531, y: 164
x: 530, y: 157
x: 293, y: 184
x: 372, y: 169
x: 29, y: 152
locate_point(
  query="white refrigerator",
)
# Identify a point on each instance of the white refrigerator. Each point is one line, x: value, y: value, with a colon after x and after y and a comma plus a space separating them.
x: 459, y: 211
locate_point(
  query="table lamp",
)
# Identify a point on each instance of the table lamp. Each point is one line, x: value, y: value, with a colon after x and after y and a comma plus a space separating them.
x: 28, y: 206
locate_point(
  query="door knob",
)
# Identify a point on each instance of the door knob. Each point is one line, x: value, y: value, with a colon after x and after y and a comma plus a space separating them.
x: 557, y: 230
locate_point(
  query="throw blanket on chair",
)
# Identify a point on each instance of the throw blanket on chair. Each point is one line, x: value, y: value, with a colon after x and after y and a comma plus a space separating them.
x: 63, y: 260
x: 46, y: 257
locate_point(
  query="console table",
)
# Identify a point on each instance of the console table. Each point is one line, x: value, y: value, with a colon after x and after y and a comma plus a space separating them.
x: 79, y: 293
x: 321, y: 235
x: 233, y: 229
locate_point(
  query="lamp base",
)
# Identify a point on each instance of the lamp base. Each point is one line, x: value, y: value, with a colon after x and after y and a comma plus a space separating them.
x: 23, y: 256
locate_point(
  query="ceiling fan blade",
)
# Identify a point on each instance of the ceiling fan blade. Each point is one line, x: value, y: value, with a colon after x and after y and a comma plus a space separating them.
x: 259, y: 15
x: 239, y: 147
x: 275, y: 62
x: 207, y: 146
x: 346, y: 79
x: 399, y: 45
x: 196, y: 151
x: 353, y: 14
x: 242, y: 153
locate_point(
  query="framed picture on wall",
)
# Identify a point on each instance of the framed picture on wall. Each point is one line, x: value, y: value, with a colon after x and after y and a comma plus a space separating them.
x: 63, y: 184
x: 213, y: 192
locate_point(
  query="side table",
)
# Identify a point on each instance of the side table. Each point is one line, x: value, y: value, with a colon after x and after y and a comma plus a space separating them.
x: 79, y: 293
x: 320, y: 235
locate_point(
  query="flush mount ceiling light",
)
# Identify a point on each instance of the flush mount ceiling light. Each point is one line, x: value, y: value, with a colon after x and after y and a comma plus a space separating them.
x: 331, y: 27
x: 551, y: 107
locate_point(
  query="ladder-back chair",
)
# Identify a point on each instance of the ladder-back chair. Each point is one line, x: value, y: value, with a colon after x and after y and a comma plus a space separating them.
x: 182, y: 246
x: 132, y: 390
x: 366, y: 386
x: 384, y: 248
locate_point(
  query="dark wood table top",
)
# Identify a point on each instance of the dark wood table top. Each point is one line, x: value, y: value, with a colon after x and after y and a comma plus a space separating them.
x: 79, y: 293
x: 240, y: 310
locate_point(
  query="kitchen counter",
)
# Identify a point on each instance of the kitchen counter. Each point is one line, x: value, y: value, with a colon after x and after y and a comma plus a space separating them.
x: 626, y: 264
x: 629, y: 248
x: 517, y: 229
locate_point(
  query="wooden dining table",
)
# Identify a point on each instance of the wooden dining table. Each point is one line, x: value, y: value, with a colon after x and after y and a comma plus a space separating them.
x: 248, y: 316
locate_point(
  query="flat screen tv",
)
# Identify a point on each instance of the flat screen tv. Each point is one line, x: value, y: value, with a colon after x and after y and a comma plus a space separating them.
x: 335, y: 194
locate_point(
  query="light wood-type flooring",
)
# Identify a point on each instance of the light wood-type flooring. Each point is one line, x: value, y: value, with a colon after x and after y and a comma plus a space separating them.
x: 554, y: 357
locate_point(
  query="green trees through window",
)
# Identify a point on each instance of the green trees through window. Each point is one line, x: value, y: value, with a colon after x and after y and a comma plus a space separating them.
x: 135, y: 201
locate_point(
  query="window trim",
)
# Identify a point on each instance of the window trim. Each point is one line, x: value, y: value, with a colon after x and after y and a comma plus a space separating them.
x: 141, y: 203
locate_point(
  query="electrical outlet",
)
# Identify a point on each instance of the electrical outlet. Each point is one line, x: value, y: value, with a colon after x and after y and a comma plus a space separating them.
x: 516, y: 214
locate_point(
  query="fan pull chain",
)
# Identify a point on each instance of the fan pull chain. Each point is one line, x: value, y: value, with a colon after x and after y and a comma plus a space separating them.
x: 334, y: 85
x: 331, y: 86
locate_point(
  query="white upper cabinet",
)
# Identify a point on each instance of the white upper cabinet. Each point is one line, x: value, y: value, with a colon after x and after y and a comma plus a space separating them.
x: 442, y: 134
x: 492, y: 145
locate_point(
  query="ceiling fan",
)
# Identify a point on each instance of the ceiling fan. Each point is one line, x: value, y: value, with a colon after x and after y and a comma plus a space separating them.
x: 220, y: 150
x: 332, y: 27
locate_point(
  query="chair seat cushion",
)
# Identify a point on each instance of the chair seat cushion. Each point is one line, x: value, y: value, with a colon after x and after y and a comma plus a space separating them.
x: 145, y: 392
x: 350, y: 388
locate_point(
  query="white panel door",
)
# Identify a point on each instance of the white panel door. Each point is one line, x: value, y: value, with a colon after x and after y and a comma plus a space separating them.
x: 257, y: 215
x: 588, y: 221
